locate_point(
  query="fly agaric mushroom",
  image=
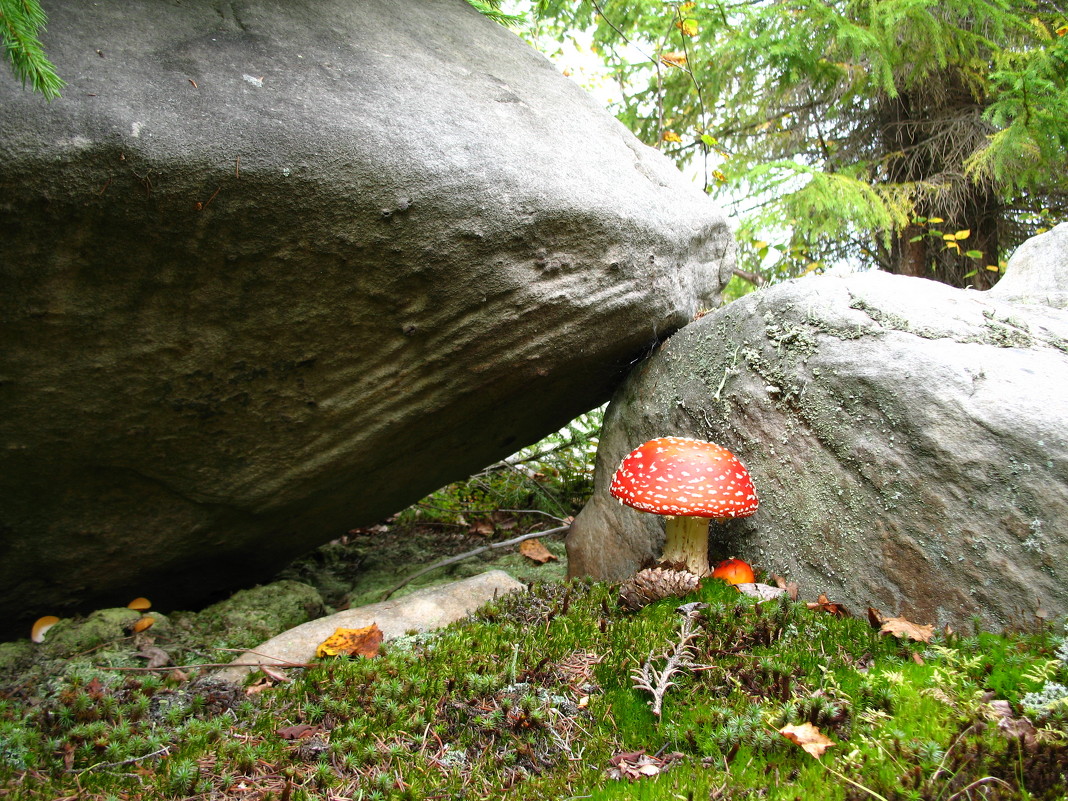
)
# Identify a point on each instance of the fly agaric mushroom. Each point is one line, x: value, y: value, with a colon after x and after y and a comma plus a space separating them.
x: 689, y: 481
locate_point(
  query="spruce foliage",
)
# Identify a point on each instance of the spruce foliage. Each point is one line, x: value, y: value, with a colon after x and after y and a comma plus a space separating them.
x: 493, y: 10
x: 921, y: 137
x: 21, y: 22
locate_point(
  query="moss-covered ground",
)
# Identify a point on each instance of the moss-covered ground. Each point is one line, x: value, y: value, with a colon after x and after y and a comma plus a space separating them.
x: 533, y: 697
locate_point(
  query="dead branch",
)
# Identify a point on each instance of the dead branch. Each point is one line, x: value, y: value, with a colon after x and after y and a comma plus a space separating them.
x: 460, y: 557
x: 679, y: 657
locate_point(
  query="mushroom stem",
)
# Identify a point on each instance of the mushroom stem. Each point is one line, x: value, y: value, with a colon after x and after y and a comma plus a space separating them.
x: 686, y: 540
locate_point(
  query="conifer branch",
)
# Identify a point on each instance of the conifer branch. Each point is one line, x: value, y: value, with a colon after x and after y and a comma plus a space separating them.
x: 492, y: 9
x: 20, y: 24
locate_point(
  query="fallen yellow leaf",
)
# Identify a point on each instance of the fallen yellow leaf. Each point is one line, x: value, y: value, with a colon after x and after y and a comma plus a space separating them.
x: 352, y: 642
x: 808, y: 737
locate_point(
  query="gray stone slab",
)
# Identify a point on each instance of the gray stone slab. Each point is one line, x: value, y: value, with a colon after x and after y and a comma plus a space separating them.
x: 419, y: 611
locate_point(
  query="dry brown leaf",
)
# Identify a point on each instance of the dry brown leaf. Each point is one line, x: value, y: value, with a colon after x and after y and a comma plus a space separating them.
x: 824, y: 605
x: 298, y: 731
x: 483, y: 528
x: 901, y: 628
x: 68, y: 763
x: 535, y: 551
x: 637, y: 764
x: 259, y: 685
x: 1019, y: 729
x: 789, y: 586
x: 1010, y: 726
x: 352, y: 642
x: 808, y: 737
x: 503, y: 520
x: 155, y: 655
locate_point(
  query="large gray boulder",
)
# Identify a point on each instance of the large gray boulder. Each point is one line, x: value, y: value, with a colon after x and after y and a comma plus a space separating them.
x: 908, y: 441
x: 274, y: 269
x: 1037, y: 271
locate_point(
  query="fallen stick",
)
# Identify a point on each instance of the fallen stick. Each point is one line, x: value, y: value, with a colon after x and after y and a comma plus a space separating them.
x: 460, y: 557
x: 207, y: 665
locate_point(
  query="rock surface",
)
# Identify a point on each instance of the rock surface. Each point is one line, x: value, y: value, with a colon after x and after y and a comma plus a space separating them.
x: 422, y: 610
x: 1037, y: 271
x: 275, y: 270
x: 908, y: 441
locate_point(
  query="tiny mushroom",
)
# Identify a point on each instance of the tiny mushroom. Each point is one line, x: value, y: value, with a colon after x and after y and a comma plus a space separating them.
x: 734, y: 571
x: 42, y: 625
x: 689, y: 481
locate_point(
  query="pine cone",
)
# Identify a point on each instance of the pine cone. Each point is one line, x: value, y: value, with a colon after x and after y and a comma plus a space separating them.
x: 655, y: 583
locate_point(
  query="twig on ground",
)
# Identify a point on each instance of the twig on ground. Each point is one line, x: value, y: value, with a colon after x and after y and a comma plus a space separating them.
x: 211, y: 665
x: 976, y: 783
x: 678, y: 658
x: 460, y: 557
x: 164, y: 750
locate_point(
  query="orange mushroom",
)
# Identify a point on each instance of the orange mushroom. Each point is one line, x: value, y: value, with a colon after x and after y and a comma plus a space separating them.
x: 43, y: 624
x: 734, y: 571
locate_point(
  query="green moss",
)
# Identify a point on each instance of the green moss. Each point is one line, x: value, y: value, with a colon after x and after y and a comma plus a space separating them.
x: 250, y: 617
x: 77, y: 635
x: 533, y: 697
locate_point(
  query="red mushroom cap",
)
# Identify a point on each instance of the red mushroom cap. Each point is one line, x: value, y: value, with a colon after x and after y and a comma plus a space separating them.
x: 685, y: 477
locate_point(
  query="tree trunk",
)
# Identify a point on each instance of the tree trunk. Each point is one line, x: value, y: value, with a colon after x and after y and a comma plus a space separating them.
x: 924, y: 134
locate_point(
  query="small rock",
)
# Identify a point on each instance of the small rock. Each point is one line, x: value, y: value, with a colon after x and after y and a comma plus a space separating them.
x: 420, y: 611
